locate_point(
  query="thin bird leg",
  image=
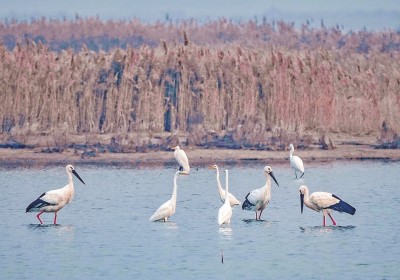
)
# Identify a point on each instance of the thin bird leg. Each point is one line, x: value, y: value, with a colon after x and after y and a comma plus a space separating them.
x: 38, y: 216
x: 324, y: 222
x: 302, y: 175
x: 333, y: 220
x: 259, y: 216
x: 295, y: 173
x: 256, y: 215
x: 55, y: 218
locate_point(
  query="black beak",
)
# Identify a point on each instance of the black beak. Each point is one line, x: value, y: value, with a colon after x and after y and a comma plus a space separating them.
x: 273, y: 177
x: 77, y: 176
x: 301, y: 201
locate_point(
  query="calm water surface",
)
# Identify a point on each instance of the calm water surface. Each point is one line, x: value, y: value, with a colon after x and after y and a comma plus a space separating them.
x: 105, y: 232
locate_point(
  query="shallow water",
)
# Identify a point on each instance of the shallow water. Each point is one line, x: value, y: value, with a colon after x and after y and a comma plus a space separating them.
x: 105, y: 232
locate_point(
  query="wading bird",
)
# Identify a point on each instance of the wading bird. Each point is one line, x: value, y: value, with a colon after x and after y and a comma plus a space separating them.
x: 295, y: 162
x: 225, y: 212
x: 167, y: 209
x: 55, y: 200
x: 182, y: 160
x: 232, y: 199
x: 257, y: 200
x: 324, y: 201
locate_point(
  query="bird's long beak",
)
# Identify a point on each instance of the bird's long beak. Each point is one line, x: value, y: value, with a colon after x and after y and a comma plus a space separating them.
x: 210, y: 167
x: 273, y: 177
x: 301, y: 202
x: 77, y: 176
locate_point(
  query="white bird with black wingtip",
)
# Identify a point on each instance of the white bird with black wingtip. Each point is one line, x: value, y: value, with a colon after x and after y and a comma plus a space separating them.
x: 55, y: 200
x: 258, y: 199
x: 325, y: 202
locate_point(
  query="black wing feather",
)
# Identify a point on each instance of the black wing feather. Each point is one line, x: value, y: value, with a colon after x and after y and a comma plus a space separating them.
x: 342, y: 206
x: 246, y: 204
x: 38, y: 203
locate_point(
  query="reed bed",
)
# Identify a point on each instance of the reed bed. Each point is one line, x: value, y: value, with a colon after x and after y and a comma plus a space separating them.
x: 244, y: 96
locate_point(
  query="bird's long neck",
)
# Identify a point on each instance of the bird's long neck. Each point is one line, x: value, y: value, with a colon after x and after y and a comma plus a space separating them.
x: 226, y: 189
x: 219, y: 183
x: 174, y: 192
x: 70, y: 186
x: 306, y: 200
x: 267, y: 193
x: 291, y: 152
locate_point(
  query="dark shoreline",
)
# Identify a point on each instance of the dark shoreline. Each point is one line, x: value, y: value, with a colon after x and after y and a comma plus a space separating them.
x: 30, y: 158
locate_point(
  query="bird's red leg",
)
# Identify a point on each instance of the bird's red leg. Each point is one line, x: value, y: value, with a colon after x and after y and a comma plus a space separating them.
x: 55, y: 218
x: 333, y: 220
x: 324, y: 223
x: 38, y: 216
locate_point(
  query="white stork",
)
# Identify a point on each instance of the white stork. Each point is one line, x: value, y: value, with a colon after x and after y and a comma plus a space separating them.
x: 258, y: 199
x: 55, y: 200
x: 324, y: 201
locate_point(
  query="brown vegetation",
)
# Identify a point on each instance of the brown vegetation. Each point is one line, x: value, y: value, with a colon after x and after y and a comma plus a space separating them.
x: 258, y: 95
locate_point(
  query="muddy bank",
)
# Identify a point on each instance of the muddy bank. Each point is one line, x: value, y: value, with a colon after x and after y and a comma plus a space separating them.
x: 344, y: 150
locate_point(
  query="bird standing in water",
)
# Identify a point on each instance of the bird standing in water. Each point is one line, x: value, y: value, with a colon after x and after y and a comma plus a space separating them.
x: 55, y: 200
x: 325, y: 202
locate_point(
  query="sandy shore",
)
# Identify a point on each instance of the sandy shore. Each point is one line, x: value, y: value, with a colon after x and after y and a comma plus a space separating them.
x: 361, y: 149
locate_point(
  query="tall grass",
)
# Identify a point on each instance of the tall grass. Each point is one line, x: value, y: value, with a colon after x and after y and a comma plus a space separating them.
x: 246, y: 93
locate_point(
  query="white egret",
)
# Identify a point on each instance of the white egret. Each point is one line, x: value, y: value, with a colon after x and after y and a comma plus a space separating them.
x: 232, y: 199
x: 55, y: 200
x: 167, y: 209
x: 225, y: 212
x: 295, y: 162
x: 182, y: 160
x: 258, y: 199
x: 324, y: 201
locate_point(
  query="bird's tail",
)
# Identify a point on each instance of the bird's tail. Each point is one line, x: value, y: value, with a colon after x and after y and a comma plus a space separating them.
x: 37, y: 204
x: 246, y: 204
x: 343, y: 206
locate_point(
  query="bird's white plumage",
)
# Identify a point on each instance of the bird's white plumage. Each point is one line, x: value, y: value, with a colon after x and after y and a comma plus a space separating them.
x: 182, y: 160
x: 258, y: 199
x: 232, y: 199
x: 168, y: 208
x: 296, y: 162
x: 55, y: 200
x: 325, y: 202
x: 225, y: 211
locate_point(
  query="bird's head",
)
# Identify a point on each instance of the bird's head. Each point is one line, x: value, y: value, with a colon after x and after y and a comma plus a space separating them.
x: 212, y: 166
x: 303, y: 191
x: 291, y: 147
x: 268, y: 172
x: 71, y: 169
x: 176, y: 148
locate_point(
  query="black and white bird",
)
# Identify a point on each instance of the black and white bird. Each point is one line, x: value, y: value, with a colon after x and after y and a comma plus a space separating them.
x: 182, y: 160
x: 257, y: 200
x: 325, y: 202
x: 55, y: 200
